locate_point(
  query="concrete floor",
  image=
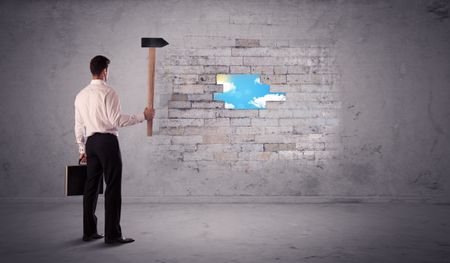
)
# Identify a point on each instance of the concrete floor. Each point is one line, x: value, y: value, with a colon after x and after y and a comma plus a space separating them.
x: 212, y: 233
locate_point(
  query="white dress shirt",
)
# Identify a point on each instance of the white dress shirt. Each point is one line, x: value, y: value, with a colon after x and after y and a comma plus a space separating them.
x: 97, y: 109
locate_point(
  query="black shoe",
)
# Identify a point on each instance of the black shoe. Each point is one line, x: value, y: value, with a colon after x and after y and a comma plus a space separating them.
x: 118, y: 240
x: 92, y: 237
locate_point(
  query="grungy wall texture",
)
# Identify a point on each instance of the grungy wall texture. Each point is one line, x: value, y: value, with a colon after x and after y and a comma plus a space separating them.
x: 367, y: 86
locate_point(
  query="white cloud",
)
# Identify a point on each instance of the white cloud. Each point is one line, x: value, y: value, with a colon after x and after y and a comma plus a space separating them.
x: 229, y: 105
x: 260, y: 102
x: 257, y: 81
x: 228, y: 87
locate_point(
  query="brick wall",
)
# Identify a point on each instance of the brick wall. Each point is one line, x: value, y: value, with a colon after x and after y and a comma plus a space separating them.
x: 203, y: 133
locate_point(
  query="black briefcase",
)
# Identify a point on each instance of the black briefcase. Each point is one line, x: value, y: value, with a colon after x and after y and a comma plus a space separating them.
x: 76, y: 179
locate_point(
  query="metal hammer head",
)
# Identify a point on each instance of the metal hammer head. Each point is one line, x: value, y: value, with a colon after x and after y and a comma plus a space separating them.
x: 153, y: 42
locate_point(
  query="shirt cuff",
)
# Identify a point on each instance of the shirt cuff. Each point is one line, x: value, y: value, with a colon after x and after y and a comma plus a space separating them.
x: 140, y: 117
x: 81, y: 149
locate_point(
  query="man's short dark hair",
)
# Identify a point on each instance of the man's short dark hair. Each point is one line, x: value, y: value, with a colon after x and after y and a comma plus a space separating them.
x: 98, y: 64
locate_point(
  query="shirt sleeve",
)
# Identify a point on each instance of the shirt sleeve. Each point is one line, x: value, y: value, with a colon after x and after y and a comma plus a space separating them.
x: 113, y: 111
x: 79, y: 131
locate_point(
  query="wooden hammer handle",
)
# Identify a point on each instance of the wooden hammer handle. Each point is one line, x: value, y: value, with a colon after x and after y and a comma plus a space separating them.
x: 151, y: 86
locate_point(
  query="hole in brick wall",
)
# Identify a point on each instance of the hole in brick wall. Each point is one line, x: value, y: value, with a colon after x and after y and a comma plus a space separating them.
x: 245, y: 91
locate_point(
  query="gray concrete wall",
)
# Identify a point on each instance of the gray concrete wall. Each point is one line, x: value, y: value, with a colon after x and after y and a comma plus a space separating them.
x: 367, y: 86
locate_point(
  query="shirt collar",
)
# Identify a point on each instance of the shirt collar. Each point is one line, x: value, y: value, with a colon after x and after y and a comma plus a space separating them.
x: 98, y: 81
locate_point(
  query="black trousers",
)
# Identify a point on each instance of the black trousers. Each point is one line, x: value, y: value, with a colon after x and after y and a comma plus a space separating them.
x: 103, y: 158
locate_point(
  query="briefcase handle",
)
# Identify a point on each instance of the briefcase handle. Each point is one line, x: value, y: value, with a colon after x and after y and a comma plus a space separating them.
x: 79, y: 162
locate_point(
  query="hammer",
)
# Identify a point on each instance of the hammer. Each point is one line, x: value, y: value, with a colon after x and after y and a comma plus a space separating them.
x: 151, y: 43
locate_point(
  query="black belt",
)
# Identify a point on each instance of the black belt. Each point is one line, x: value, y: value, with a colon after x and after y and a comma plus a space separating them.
x: 105, y: 133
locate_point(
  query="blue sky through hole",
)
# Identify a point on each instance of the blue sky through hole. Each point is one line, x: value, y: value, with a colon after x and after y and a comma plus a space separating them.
x: 245, y: 91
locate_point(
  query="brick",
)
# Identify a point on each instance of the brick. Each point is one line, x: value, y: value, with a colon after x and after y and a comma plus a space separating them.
x: 304, y: 105
x: 252, y: 52
x: 171, y: 130
x: 273, y: 79
x: 207, y: 130
x: 183, y: 147
x: 305, y: 129
x: 184, y: 122
x: 200, y: 97
x: 191, y: 113
x: 279, y: 130
x: 214, y: 88
x: 310, y: 146
x: 314, y: 113
x: 264, y: 122
x: 300, y: 69
x: 189, y: 89
x: 239, y: 69
x: 252, y: 147
x: 185, y: 79
x: 213, y: 139
x: 249, y: 130
x: 191, y: 61
x: 309, y: 137
x: 262, y: 69
x: 275, y: 113
x: 208, y: 104
x: 280, y: 69
x: 219, y: 147
x: 206, y: 79
x: 325, y: 155
x: 305, y: 122
x: 242, y: 138
x: 282, y: 105
x: 274, y: 147
x: 285, y: 88
x: 240, y: 121
x: 221, y: 156
x: 275, y: 138
x: 217, y: 122
x: 177, y: 96
x: 211, y: 52
x: 316, y: 88
x: 188, y: 69
x: 263, y: 156
x: 186, y: 139
x: 308, y: 61
x: 179, y: 61
x: 270, y: 61
x: 229, y: 61
x: 289, y: 155
x: 274, y: 52
x: 323, y: 69
x: 236, y: 113
x: 308, y: 155
x: 241, y: 42
x: 179, y: 104
x: 305, y: 88
x: 216, y: 69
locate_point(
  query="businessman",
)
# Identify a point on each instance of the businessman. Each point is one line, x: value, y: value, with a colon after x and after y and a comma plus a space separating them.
x: 97, y: 118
